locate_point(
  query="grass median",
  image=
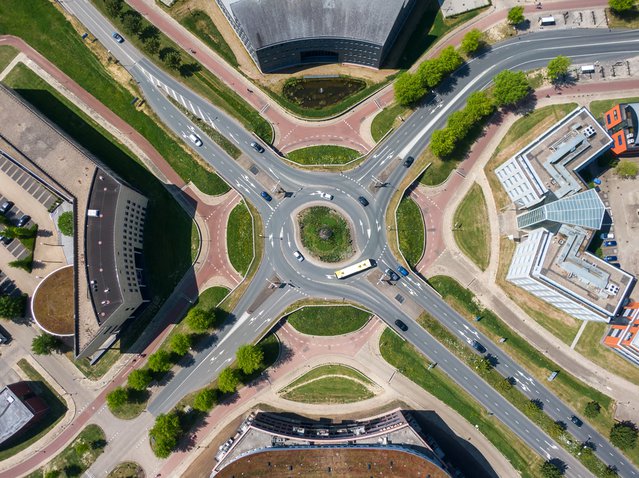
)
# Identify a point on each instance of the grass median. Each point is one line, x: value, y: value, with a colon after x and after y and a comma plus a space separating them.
x: 471, y: 227
x: 323, y: 155
x: 410, y: 230
x: 239, y: 238
x: 328, y: 320
x: 386, y: 120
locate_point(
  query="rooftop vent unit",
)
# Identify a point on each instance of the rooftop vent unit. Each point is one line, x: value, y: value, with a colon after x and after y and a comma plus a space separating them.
x: 589, y: 131
x: 576, y: 127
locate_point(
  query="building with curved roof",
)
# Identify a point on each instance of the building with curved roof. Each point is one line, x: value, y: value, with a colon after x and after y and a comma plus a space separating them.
x: 284, y: 33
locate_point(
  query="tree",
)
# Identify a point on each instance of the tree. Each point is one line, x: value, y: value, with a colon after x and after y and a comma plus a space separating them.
x: 408, y: 89
x: 510, y: 87
x: 472, y: 41
x: 479, y: 105
x: 592, y: 409
x: 459, y: 123
x: 165, y: 434
x: 556, y: 429
x: 200, y: 320
x: 621, y: 6
x: 249, y: 358
x: 532, y: 408
x: 205, y: 399
x: 442, y: 142
x: 228, y: 380
x: 16, y: 232
x: 610, y: 472
x: 549, y: 470
x: 181, y: 343
x: 152, y: 45
x: 450, y: 59
x: 140, y: 379
x: 430, y: 73
x: 65, y: 223
x: 624, y: 435
x: 482, y: 364
x: 558, y: 68
x: 117, y: 397
x: 44, y: 344
x: 113, y: 7
x: 627, y: 169
x: 12, y: 307
x: 132, y: 22
x: 516, y: 15
x: 505, y: 385
x: 171, y: 58
x: 160, y: 361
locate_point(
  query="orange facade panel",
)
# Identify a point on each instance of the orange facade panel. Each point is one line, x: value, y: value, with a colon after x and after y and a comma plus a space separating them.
x: 619, y: 144
x: 612, y: 117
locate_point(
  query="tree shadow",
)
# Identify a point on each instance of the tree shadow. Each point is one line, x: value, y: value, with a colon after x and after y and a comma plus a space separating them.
x: 189, y: 69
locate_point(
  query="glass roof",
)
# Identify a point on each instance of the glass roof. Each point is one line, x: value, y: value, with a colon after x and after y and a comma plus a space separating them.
x: 584, y: 209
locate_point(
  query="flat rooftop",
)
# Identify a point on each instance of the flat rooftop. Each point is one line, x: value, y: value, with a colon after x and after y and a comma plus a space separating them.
x: 13, y: 414
x: 567, y: 265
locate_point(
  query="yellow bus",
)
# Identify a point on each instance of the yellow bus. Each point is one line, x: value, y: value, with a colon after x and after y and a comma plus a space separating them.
x: 354, y: 269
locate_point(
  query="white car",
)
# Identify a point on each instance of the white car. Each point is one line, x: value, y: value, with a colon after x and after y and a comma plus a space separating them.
x: 195, y: 139
x: 298, y: 255
x: 327, y: 196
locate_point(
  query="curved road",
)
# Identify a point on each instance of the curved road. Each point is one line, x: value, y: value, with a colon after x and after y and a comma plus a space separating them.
x: 260, y: 306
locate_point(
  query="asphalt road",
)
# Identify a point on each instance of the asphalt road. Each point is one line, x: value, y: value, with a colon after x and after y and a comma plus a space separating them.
x: 252, y: 318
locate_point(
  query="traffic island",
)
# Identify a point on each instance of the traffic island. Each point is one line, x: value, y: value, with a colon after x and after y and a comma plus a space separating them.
x: 325, y: 234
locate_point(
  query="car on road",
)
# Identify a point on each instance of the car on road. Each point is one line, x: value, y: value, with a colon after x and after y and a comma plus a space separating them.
x: 392, y: 275
x: 610, y: 244
x: 409, y: 161
x: 298, y: 255
x: 267, y: 197
x: 257, y: 147
x: 576, y: 421
x: 401, y: 325
x: 23, y: 220
x: 610, y: 258
x: 402, y: 271
x: 477, y: 346
x: 117, y: 37
x: 6, y: 207
x: 195, y: 139
x: 363, y: 201
x: 328, y: 197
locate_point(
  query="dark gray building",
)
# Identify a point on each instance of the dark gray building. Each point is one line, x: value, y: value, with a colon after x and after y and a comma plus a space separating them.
x: 283, y: 33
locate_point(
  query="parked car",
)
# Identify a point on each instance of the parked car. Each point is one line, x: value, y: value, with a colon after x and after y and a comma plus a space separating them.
x: 392, y: 275
x: 479, y: 347
x: 401, y: 325
x: 328, y: 197
x: 408, y: 161
x: 576, y: 421
x: 6, y: 207
x: 610, y: 258
x: 6, y: 240
x: 267, y: 197
x: 615, y: 264
x: 402, y: 271
x: 195, y: 139
x: 607, y: 235
x: 610, y: 244
x: 117, y: 37
x: 298, y: 255
x: 5, y: 338
x: 363, y: 201
x: 257, y: 147
x: 23, y: 220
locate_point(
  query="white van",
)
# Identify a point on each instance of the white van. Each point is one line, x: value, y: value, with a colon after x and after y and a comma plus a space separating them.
x: 545, y: 21
x: 195, y: 139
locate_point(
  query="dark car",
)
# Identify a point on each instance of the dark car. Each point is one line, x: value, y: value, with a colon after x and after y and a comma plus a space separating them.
x: 23, y: 220
x: 6, y: 240
x: 392, y: 275
x: 479, y: 347
x: 401, y: 325
x: 257, y: 147
x: 576, y: 421
x: 117, y: 37
x: 409, y: 161
x: 267, y: 197
x: 615, y: 264
x: 402, y: 271
x: 610, y: 243
x: 6, y: 207
x: 363, y: 201
x: 610, y: 258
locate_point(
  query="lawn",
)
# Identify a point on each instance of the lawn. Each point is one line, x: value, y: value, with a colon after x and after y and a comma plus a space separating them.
x: 322, y: 155
x: 328, y: 320
x: 439, y: 169
x: 410, y: 230
x: 7, y: 53
x: 326, y: 370
x: 627, y: 20
x: 325, y: 234
x: 135, y: 405
x: 386, y: 120
x: 599, y: 107
x: 239, y: 238
x: 329, y: 390
x: 567, y: 387
x: 471, y: 227
x: 38, y: 21
x: 201, y: 25
x: 76, y: 458
x: 57, y: 409
x: 211, y: 297
x: 413, y: 365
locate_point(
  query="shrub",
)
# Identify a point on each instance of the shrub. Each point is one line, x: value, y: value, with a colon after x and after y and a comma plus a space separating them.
x: 12, y: 307
x: 205, y: 399
x: 592, y: 409
x: 65, y: 223
x: 627, y: 169
x: 44, y: 344
x: 228, y: 380
x: 249, y: 358
x: 621, y: 6
x: 549, y: 470
x: 624, y: 435
x: 140, y: 379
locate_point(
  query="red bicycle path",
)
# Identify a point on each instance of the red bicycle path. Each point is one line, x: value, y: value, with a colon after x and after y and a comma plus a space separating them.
x: 433, y: 201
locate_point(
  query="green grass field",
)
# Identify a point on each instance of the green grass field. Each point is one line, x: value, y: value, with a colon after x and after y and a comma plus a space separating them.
x: 318, y: 220
x: 332, y: 369
x: 7, y: 53
x: 201, y: 25
x: 410, y: 230
x: 599, y: 107
x: 239, y: 238
x: 386, y: 119
x: 328, y: 320
x: 318, y: 155
x: 471, y: 227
